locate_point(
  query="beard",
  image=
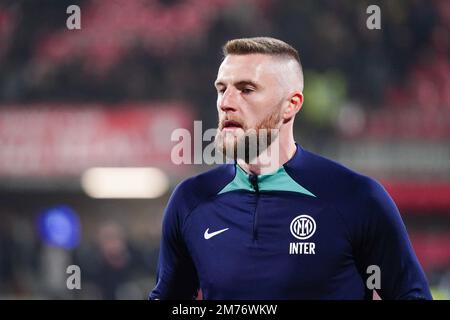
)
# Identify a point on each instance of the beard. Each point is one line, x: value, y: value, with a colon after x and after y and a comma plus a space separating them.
x: 247, y: 143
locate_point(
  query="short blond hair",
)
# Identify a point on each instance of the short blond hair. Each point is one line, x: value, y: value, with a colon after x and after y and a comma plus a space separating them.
x: 262, y: 45
x: 268, y: 46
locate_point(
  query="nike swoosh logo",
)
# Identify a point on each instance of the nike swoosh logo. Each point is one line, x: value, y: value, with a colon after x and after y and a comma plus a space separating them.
x: 208, y: 235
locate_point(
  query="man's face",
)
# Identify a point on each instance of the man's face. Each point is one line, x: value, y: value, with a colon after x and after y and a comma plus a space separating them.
x: 250, y: 96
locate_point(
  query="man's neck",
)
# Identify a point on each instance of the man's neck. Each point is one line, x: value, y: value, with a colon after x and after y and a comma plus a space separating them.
x: 270, y: 159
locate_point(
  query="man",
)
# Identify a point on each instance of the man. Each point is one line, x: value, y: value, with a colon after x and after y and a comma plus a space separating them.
x: 298, y: 227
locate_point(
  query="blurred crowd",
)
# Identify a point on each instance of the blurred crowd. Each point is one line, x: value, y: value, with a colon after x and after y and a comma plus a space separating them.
x: 392, y: 83
x: 159, y: 50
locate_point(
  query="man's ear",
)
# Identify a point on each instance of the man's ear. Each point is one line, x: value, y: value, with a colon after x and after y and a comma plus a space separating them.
x: 294, y: 106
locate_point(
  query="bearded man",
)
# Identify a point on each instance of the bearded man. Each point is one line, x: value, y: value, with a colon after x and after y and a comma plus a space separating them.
x: 279, y: 222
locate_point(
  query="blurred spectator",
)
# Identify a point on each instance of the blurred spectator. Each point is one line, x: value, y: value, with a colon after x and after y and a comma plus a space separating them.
x: 113, y: 264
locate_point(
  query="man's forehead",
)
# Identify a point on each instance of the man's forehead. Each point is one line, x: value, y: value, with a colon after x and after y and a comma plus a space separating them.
x: 247, y: 66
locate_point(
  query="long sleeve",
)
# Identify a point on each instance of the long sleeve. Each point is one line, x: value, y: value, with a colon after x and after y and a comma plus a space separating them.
x: 383, y: 241
x: 176, y: 273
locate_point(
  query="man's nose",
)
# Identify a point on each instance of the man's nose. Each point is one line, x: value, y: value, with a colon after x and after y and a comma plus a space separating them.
x: 228, y: 101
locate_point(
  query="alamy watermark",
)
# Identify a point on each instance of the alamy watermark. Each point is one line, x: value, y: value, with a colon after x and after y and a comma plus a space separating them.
x: 225, y: 146
x: 73, y: 22
x: 74, y: 280
x: 373, y: 22
x: 374, y: 280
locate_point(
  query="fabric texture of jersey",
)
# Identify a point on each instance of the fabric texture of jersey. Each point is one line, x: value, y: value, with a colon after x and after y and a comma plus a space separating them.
x: 310, y: 230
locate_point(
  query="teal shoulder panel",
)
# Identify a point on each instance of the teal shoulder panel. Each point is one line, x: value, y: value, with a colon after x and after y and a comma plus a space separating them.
x: 240, y: 182
x: 279, y: 180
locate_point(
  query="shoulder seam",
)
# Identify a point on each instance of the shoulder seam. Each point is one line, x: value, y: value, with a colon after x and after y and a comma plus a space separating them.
x: 188, y: 214
x: 192, y: 210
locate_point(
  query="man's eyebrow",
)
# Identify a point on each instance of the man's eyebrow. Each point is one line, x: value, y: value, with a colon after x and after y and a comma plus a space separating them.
x: 245, y: 82
x: 237, y: 84
x: 219, y: 83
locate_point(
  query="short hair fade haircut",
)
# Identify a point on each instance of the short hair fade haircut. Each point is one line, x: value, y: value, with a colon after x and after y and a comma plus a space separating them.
x: 262, y: 45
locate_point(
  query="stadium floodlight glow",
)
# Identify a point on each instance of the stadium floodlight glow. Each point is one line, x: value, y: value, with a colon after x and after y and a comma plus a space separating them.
x: 124, y: 183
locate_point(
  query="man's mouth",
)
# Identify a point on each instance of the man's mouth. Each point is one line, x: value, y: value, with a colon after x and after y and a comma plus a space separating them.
x: 231, y: 125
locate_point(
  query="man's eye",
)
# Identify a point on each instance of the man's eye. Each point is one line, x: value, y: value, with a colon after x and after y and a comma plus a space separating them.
x: 246, y: 90
x: 221, y: 91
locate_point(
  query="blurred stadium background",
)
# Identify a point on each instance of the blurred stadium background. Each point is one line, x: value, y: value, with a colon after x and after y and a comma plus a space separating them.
x: 110, y: 94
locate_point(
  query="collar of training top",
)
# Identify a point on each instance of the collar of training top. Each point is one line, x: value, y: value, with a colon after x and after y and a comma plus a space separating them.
x: 278, y: 180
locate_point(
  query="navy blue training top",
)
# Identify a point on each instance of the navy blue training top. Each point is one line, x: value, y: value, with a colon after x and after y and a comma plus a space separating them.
x: 310, y: 230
